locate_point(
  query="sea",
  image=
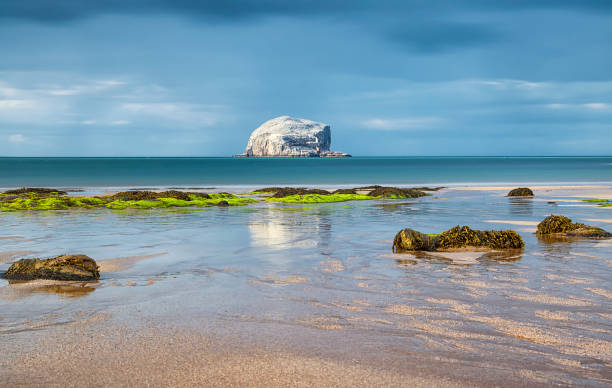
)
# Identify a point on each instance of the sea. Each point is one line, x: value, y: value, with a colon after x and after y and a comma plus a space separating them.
x: 322, y: 279
x: 213, y: 172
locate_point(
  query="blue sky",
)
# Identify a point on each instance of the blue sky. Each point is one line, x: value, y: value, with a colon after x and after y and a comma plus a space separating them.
x: 176, y: 78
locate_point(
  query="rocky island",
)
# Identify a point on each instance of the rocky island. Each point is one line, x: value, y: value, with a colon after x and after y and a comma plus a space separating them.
x: 291, y: 137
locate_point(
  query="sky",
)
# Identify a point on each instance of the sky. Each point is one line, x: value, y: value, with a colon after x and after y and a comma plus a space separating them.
x: 410, y: 77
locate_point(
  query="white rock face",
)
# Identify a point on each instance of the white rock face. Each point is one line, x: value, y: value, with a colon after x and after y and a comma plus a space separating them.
x: 288, y: 136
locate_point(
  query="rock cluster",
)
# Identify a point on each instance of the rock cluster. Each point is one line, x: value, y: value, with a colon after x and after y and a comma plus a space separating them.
x: 459, y: 237
x: 371, y: 191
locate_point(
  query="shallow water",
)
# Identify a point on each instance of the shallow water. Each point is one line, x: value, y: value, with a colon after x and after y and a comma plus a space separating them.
x: 322, y: 278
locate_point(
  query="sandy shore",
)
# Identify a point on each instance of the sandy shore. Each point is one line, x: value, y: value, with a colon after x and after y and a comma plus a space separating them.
x: 95, y: 356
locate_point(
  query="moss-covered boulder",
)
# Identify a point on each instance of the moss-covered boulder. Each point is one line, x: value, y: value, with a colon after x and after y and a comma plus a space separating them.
x: 459, y: 237
x: 464, y: 236
x: 562, y: 226
x: 65, y: 267
x: 392, y: 192
x: 411, y: 240
x: 39, y: 191
x: 345, y: 191
x: 521, y: 192
x: 145, y: 195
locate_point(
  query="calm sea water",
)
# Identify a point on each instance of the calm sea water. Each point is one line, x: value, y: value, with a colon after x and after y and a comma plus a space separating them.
x: 105, y: 172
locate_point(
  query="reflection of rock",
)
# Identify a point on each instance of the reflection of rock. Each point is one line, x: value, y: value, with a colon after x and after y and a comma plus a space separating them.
x: 560, y: 226
x: 521, y: 205
x: 459, y: 237
x: 65, y: 267
x: 19, y: 289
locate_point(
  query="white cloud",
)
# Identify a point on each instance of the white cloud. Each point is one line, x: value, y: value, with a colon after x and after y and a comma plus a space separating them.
x: 120, y: 122
x: 401, y: 124
x: 88, y: 122
x: 17, y: 138
x: 591, y: 106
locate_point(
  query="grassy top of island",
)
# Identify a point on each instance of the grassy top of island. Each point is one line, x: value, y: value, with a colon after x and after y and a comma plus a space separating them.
x: 54, y: 199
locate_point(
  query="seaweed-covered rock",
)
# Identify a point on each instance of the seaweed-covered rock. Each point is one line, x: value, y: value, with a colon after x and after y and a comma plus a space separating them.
x: 223, y: 203
x: 281, y: 192
x: 380, y: 191
x: 563, y: 226
x: 521, y: 192
x: 459, y: 237
x: 34, y: 190
x: 145, y: 195
x: 411, y: 240
x: 65, y: 267
x: 464, y: 236
x: 345, y: 191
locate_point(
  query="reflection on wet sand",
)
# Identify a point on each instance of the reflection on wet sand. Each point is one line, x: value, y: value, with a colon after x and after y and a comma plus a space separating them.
x: 281, y: 228
x: 16, y: 289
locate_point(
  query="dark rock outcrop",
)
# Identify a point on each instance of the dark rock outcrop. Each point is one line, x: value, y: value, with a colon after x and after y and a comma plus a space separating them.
x: 520, y: 192
x: 563, y: 226
x: 144, y: 195
x: 40, y: 191
x: 65, y: 267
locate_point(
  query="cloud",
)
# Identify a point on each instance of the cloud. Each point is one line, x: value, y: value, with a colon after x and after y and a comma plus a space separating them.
x: 192, y: 115
x: 120, y: 122
x: 67, y: 10
x: 64, y: 99
x: 590, y: 106
x: 431, y: 37
x: 401, y: 124
x: 17, y: 138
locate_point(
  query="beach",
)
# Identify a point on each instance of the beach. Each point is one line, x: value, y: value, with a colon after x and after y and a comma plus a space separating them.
x: 275, y: 294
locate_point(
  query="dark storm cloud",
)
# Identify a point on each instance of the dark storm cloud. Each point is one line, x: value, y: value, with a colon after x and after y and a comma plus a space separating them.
x: 66, y: 10
x: 435, y: 36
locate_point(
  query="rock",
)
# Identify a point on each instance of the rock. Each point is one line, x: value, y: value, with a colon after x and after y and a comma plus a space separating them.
x: 563, y: 226
x: 65, y: 267
x: 345, y: 191
x: 411, y: 240
x: 289, y: 136
x: 223, y: 203
x: 459, y: 237
x: 35, y: 190
x: 144, y: 195
x: 520, y: 192
x: 464, y: 236
x: 281, y: 192
x: 380, y: 191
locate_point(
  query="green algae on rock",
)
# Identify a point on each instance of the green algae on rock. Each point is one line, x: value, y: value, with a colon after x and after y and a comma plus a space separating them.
x: 459, y: 237
x: 123, y: 200
x: 318, y: 198
x: 34, y: 190
x: 411, y: 240
x: 304, y: 195
x: 520, y: 192
x: 599, y: 201
x: 65, y: 267
x: 563, y: 226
